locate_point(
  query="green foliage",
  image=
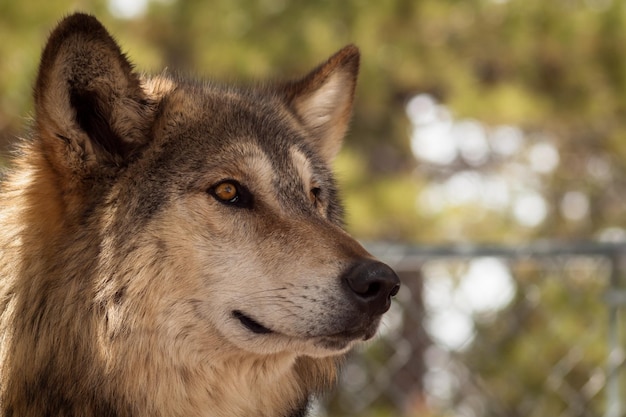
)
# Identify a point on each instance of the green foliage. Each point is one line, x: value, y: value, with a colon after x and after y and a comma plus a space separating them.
x: 555, y: 68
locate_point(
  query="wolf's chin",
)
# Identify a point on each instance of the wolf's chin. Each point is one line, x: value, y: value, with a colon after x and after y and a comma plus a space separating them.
x: 343, y: 341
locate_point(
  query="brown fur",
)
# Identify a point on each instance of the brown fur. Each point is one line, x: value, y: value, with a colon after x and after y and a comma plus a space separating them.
x: 128, y: 288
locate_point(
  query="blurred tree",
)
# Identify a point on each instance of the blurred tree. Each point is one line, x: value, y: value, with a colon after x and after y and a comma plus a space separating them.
x: 553, y: 69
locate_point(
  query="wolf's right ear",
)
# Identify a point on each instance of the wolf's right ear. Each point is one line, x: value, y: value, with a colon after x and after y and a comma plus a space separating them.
x: 90, y: 106
x: 323, y: 99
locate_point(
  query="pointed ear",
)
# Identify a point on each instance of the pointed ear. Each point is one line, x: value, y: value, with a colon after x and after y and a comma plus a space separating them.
x: 89, y: 104
x: 323, y: 100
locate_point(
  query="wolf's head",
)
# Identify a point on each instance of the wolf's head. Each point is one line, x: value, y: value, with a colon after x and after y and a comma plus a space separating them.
x: 213, y: 209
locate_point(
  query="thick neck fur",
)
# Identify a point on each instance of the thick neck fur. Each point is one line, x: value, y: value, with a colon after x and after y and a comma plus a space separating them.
x: 238, y: 386
x: 69, y: 347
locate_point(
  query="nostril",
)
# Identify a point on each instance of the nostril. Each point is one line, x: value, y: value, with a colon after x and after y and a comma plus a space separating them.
x: 394, y: 290
x: 372, y: 290
x: 372, y: 284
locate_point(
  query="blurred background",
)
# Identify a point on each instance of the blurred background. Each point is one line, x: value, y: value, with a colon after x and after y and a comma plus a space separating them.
x: 486, y: 162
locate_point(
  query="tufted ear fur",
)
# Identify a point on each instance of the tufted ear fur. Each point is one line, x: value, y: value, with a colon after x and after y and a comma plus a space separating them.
x: 90, y: 108
x: 323, y: 99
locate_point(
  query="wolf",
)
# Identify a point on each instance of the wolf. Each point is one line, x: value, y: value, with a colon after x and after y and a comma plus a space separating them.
x: 171, y: 247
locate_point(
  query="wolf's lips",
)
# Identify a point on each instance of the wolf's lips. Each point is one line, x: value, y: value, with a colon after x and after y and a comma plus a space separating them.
x: 332, y: 341
x: 357, y: 332
x: 251, y: 324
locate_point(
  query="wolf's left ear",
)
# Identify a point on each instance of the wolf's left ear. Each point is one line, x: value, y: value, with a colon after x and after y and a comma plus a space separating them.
x: 323, y: 100
x: 90, y: 105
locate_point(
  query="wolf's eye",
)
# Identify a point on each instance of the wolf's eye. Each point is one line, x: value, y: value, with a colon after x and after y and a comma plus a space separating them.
x: 314, y: 195
x: 226, y: 192
x: 232, y: 193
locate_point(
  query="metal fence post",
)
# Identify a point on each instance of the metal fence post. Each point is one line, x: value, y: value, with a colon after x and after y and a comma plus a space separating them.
x: 615, y: 352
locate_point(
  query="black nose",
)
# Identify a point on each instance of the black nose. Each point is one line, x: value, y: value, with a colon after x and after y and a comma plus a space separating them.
x: 372, y: 284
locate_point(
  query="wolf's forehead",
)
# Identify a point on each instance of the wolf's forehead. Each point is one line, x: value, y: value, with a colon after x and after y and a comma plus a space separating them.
x: 280, y: 165
x: 247, y: 161
x: 240, y: 131
x: 302, y: 164
x: 229, y: 116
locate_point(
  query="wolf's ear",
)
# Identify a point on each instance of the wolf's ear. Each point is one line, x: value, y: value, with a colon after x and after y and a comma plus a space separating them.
x: 323, y: 99
x: 90, y: 106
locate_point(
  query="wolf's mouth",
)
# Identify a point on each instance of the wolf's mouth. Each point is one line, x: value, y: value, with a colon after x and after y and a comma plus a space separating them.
x: 251, y: 324
x: 335, y: 341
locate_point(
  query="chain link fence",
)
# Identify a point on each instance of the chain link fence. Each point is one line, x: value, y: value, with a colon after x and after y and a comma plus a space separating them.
x: 532, y: 331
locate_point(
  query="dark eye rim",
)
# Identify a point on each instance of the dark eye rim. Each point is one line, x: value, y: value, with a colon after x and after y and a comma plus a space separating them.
x: 316, y: 194
x: 243, y: 197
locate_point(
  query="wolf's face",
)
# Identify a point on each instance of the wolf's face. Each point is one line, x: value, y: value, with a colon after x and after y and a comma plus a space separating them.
x: 215, y: 203
x: 253, y: 211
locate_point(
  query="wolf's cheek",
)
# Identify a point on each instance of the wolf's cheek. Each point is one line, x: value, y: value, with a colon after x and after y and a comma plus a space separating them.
x: 268, y: 283
x: 313, y: 319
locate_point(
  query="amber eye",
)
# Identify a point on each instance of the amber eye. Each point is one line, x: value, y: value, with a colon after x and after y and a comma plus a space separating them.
x: 226, y: 192
x: 231, y: 193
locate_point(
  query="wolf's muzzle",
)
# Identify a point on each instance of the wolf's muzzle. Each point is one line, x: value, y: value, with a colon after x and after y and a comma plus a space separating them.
x: 371, y: 284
